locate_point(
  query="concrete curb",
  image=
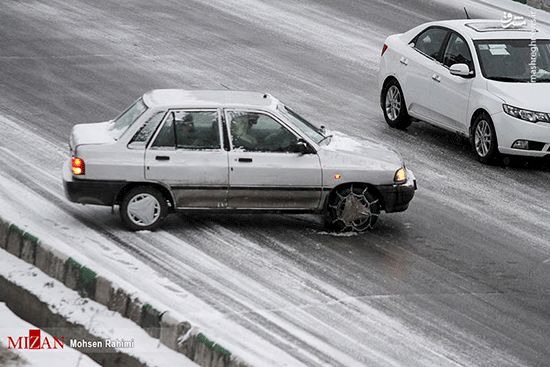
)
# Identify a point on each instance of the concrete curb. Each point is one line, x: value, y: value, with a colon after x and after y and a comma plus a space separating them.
x: 178, y: 335
x: 39, y: 314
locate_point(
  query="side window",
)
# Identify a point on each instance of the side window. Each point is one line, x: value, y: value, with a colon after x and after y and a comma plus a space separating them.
x: 431, y: 41
x: 189, y: 130
x: 197, y: 130
x: 141, y: 138
x: 166, y: 137
x: 257, y: 132
x: 457, y: 52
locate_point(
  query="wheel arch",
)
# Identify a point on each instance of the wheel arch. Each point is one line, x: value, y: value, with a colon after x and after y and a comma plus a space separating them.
x: 476, y: 113
x: 372, y: 188
x: 388, y: 79
x: 166, y: 192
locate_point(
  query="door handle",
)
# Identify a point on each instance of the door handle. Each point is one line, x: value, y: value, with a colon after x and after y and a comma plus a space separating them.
x: 404, y: 61
x: 437, y: 78
x: 162, y: 158
x: 245, y: 160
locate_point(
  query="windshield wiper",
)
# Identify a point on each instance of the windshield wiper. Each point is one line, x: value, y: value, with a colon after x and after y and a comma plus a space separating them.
x: 508, y: 79
x: 324, y: 138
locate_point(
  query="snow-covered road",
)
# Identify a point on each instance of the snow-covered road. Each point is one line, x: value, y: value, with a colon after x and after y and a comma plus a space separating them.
x: 461, y: 278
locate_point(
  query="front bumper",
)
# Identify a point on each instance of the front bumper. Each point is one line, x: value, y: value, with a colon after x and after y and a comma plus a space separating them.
x: 509, y: 129
x: 396, y: 198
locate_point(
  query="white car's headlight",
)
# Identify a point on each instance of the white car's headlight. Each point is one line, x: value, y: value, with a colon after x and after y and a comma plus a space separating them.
x: 526, y: 115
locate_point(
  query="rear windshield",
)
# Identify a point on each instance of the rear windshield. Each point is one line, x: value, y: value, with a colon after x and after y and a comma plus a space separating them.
x: 127, y: 118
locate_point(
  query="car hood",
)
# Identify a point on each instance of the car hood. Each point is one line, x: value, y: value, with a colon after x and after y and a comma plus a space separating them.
x: 87, y: 134
x: 530, y: 96
x: 344, y: 151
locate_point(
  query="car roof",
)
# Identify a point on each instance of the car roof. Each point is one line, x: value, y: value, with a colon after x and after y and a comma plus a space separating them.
x: 484, y: 29
x: 181, y: 98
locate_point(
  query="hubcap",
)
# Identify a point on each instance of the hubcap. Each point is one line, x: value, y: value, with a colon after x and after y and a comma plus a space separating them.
x: 393, y: 102
x: 483, y: 138
x: 354, y: 210
x: 143, y: 210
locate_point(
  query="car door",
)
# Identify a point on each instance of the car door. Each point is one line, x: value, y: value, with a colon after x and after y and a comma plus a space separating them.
x: 187, y: 155
x: 452, y: 93
x: 265, y: 169
x: 418, y: 85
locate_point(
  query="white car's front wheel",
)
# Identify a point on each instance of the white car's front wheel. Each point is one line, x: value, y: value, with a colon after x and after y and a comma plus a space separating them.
x: 393, y: 105
x: 143, y: 208
x: 484, y: 139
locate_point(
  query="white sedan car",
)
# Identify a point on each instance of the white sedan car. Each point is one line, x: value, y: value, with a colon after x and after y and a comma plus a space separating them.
x: 230, y: 151
x: 473, y: 77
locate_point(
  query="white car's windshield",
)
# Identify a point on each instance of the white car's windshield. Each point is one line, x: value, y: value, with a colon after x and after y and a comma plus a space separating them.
x: 312, y: 131
x: 127, y: 118
x: 519, y: 61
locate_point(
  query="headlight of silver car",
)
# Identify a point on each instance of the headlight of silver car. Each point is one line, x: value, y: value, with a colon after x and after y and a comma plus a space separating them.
x: 400, y: 176
x: 526, y: 115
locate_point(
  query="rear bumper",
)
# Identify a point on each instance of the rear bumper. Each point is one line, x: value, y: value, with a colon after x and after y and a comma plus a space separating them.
x: 90, y: 191
x: 396, y: 198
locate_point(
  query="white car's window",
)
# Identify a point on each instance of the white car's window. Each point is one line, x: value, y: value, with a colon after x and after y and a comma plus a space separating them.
x: 127, y: 118
x: 141, y: 138
x: 252, y: 131
x: 430, y: 42
x: 189, y: 130
x: 457, y: 52
x: 514, y: 61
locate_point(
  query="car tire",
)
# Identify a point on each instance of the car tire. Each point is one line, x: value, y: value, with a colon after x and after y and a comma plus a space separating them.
x: 394, y: 107
x: 484, y: 139
x: 143, y: 208
x: 343, y: 205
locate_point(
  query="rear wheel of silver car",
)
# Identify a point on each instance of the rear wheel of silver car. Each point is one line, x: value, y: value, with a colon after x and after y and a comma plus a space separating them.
x: 352, y: 208
x: 143, y: 208
x: 484, y: 139
x: 393, y: 105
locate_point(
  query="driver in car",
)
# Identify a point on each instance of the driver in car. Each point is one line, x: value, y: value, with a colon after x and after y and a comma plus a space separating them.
x: 240, y: 129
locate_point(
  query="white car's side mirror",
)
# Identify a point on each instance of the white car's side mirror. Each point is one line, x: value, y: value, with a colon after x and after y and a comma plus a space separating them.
x: 460, y: 70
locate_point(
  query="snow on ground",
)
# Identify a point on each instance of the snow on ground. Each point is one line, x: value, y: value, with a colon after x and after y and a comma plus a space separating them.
x: 302, y: 318
x: 99, y: 320
x: 11, y: 325
x: 269, y: 309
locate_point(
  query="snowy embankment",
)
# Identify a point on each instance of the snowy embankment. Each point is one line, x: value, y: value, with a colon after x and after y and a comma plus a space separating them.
x: 11, y: 325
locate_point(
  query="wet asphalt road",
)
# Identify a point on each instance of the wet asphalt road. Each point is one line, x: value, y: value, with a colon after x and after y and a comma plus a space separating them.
x: 467, y: 266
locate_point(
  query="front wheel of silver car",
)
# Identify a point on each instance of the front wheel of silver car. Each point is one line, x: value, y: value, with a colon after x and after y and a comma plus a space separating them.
x: 143, y: 208
x: 352, y: 208
x: 484, y: 139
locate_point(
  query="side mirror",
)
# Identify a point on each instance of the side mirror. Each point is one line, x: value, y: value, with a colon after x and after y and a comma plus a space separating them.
x: 302, y: 147
x: 460, y: 70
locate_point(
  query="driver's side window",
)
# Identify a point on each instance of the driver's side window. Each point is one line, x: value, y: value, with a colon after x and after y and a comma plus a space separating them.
x: 457, y: 52
x: 258, y: 132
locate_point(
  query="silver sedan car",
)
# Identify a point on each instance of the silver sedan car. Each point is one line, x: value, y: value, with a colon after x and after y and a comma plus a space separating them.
x: 230, y: 151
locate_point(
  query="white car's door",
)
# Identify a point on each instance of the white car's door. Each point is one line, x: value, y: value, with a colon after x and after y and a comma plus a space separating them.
x: 452, y: 93
x: 187, y: 155
x: 265, y: 170
x: 420, y: 64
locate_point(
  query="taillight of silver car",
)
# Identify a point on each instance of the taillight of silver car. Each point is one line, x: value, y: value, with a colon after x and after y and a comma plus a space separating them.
x: 384, y: 49
x: 77, y: 166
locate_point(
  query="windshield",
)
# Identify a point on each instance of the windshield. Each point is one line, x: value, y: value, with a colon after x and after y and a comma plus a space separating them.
x: 306, y: 127
x: 515, y: 60
x: 127, y: 118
